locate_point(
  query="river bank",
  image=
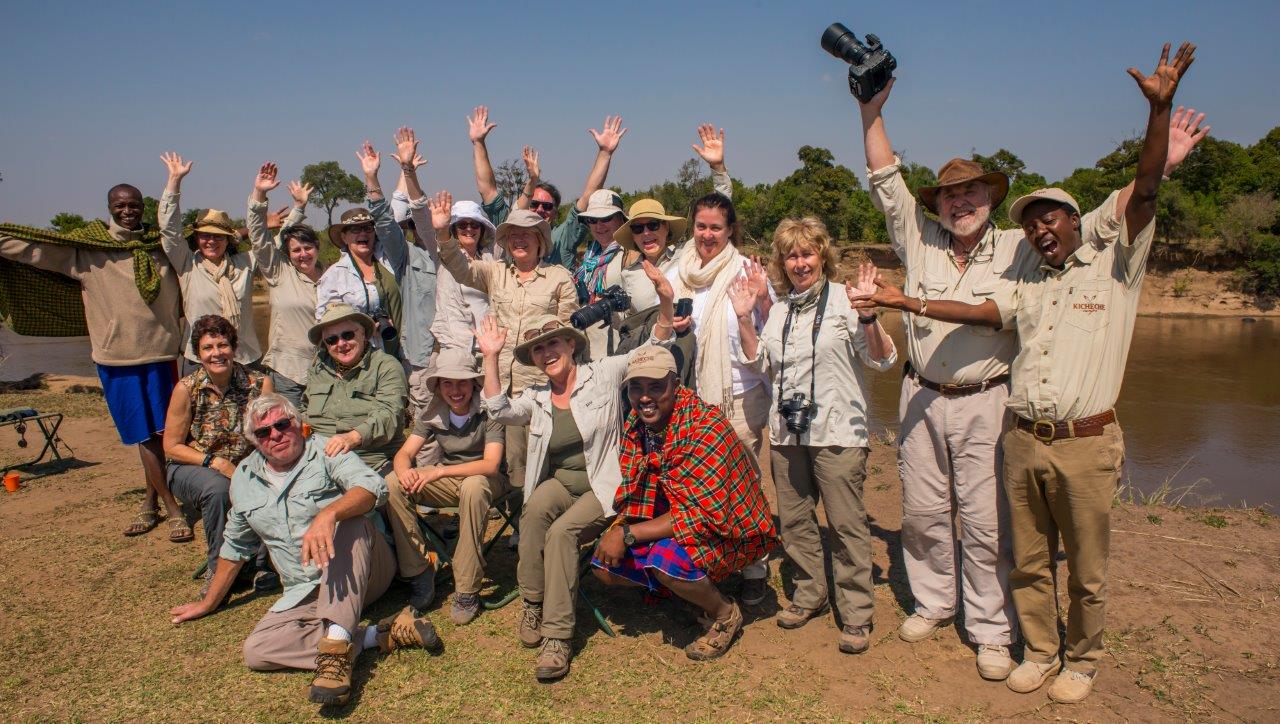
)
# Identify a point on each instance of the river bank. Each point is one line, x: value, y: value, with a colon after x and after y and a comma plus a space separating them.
x: 1193, y: 602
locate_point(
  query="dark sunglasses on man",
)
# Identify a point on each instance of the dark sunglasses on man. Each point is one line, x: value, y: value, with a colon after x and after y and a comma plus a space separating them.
x: 535, y: 205
x: 640, y: 226
x: 346, y: 336
x: 596, y: 220
x: 262, y: 433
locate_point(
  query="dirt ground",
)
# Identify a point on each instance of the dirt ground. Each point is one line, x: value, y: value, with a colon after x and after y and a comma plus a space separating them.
x: 83, y: 615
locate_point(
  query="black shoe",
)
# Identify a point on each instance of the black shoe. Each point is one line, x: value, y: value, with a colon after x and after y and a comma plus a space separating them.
x: 422, y: 589
x: 266, y: 581
x: 754, y: 591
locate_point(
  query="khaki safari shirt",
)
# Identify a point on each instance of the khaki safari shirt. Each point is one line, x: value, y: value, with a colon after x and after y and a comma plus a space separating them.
x: 370, y: 400
x: 292, y: 295
x: 1075, y: 325
x: 948, y: 353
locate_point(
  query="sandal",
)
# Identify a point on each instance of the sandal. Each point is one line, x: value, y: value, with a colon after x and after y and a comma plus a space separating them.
x: 180, y: 531
x: 718, y: 638
x: 145, y: 522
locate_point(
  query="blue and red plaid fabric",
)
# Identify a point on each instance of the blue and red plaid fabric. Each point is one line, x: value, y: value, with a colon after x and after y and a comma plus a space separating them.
x: 664, y: 555
x: 718, y: 510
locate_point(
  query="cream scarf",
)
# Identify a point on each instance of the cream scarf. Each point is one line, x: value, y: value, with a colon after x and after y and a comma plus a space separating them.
x: 224, y: 275
x: 715, y: 380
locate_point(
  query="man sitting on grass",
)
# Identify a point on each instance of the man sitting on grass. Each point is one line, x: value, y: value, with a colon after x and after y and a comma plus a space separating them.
x: 690, y: 508
x: 314, y: 513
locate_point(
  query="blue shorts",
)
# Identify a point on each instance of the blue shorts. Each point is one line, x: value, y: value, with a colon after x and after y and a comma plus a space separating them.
x: 663, y: 555
x: 138, y: 397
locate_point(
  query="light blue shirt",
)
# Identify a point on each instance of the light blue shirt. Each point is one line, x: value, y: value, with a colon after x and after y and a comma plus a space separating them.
x: 281, y: 517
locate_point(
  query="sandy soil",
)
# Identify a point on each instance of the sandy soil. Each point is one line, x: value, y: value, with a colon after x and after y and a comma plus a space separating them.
x: 1192, y: 627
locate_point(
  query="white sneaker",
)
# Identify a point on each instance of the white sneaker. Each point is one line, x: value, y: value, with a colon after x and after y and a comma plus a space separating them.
x: 918, y: 628
x: 994, y: 662
x: 1030, y: 675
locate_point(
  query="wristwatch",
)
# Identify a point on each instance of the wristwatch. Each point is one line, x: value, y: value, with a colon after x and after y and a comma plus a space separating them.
x: 208, y: 458
x: 871, y: 319
x: 627, y: 537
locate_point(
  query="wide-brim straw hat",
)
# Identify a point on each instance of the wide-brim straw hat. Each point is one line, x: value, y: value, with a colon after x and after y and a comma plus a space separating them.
x: 961, y: 171
x: 336, y: 313
x: 454, y: 363
x: 525, y: 219
x: 350, y: 217
x: 471, y: 211
x: 648, y: 209
x: 550, y: 326
x: 213, y: 221
x: 1049, y: 194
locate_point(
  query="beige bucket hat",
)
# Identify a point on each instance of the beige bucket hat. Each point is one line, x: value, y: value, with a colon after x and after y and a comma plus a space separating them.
x: 525, y: 219
x: 453, y: 363
x: 336, y: 313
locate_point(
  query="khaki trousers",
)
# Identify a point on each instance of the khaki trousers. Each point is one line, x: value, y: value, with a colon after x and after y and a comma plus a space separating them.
x: 472, y: 496
x: 802, y: 474
x: 419, y: 398
x: 749, y: 419
x: 360, y: 571
x: 516, y: 449
x: 553, y: 527
x: 950, y: 446
x: 1062, y: 489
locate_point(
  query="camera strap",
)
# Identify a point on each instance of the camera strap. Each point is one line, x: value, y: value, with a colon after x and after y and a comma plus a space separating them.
x: 818, y: 314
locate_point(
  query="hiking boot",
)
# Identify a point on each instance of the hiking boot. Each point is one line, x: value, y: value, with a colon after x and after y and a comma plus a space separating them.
x: 553, y: 659
x: 855, y: 639
x: 422, y: 589
x: 465, y: 608
x: 918, y: 628
x: 1071, y: 687
x: 266, y: 581
x: 406, y: 630
x: 1030, y: 675
x: 530, y: 625
x: 994, y: 662
x: 794, y: 616
x: 754, y: 591
x: 719, y: 637
x: 332, y: 682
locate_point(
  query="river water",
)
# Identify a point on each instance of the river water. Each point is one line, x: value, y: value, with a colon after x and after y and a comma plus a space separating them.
x: 1200, y: 403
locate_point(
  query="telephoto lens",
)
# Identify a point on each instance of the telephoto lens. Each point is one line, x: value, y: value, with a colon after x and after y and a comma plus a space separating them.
x: 843, y: 44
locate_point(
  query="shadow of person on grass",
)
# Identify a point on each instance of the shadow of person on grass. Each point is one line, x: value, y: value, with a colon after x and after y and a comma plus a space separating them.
x: 896, y: 576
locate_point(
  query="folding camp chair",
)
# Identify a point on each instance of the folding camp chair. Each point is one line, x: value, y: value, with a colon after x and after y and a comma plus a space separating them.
x: 48, y: 423
x: 506, y: 506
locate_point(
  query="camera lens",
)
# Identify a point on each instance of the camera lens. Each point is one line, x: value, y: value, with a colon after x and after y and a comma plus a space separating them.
x: 388, y: 333
x: 840, y: 42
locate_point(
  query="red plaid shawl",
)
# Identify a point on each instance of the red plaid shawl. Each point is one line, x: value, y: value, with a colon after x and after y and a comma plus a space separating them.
x: 718, y: 510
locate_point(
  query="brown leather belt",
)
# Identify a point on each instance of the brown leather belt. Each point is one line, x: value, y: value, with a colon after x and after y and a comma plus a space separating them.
x: 1047, y: 430
x: 953, y: 390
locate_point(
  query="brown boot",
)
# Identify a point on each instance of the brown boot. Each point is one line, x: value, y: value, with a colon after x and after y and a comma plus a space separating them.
x: 553, y: 659
x: 332, y: 682
x: 530, y: 626
x: 718, y: 638
x: 406, y: 630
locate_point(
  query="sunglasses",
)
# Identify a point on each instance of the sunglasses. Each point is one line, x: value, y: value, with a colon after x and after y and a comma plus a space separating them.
x: 469, y: 225
x: 359, y: 229
x: 594, y: 220
x: 345, y: 336
x: 642, y: 226
x: 262, y: 433
x: 544, y: 205
x: 548, y: 327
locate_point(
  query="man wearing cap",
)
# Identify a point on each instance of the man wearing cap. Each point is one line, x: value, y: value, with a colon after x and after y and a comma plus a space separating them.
x: 521, y: 288
x: 690, y: 508
x: 1073, y: 312
x: 355, y: 392
x: 538, y: 195
x: 955, y: 387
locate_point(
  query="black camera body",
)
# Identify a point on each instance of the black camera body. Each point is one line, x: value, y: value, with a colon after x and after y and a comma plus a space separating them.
x: 797, y: 412
x: 611, y: 300
x: 870, y: 65
x: 684, y: 307
x: 386, y: 329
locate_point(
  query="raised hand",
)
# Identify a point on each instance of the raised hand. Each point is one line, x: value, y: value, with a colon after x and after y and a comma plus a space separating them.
x: 300, y: 192
x: 712, y: 148
x: 661, y: 284
x: 441, y: 206
x: 757, y: 279
x: 176, y: 166
x: 864, y: 284
x: 530, y: 156
x: 370, y: 161
x: 1185, y: 132
x: 266, y: 180
x: 1160, y: 86
x: 742, y: 298
x: 608, y: 138
x: 478, y: 125
x: 407, y: 148
x: 275, y: 220
x: 490, y: 338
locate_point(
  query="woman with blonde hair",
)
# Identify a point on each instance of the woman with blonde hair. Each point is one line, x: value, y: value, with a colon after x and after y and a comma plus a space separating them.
x: 818, y: 438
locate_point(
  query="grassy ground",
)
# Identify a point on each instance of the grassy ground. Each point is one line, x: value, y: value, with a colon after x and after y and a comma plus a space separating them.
x: 1191, y: 634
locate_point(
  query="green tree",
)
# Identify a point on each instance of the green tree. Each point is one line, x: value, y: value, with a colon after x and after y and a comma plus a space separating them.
x: 511, y: 176
x: 331, y: 186
x: 150, y: 211
x: 67, y: 221
x: 1020, y: 180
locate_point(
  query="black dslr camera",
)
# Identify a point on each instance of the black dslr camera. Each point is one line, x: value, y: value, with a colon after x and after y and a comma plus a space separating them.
x: 870, y: 65
x: 385, y: 327
x: 611, y: 300
x: 797, y: 412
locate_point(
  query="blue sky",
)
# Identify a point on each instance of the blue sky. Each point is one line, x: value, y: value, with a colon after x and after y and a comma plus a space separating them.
x: 94, y: 92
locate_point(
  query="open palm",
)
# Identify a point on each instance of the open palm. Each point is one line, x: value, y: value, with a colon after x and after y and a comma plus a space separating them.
x: 1160, y: 86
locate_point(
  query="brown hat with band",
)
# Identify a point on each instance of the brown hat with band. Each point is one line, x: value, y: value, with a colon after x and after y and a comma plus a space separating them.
x: 350, y: 217
x: 544, y: 328
x: 962, y: 171
x: 648, y: 209
x: 212, y: 221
